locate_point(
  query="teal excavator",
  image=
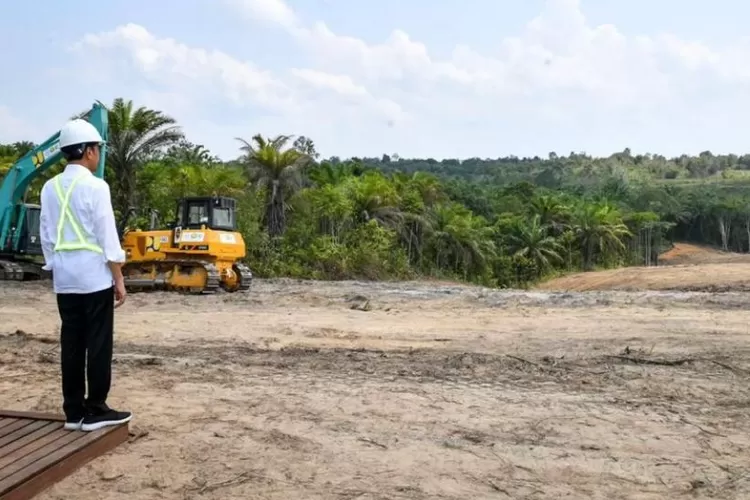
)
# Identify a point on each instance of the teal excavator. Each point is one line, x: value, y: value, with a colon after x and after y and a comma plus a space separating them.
x: 21, y: 256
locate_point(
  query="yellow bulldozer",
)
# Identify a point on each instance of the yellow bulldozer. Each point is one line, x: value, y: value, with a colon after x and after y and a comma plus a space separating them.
x: 200, y: 252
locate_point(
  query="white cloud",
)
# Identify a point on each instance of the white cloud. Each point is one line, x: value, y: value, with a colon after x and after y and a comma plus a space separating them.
x: 202, y: 74
x: 274, y: 11
x: 557, y: 51
x: 341, y: 84
x: 559, y: 72
x: 165, y: 61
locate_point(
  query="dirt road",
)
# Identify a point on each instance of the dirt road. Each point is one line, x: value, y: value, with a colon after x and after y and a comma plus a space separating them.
x: 408, y: 391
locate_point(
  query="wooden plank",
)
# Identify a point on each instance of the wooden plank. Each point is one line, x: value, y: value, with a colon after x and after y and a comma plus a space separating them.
x: 22, y: 453
x: 33, y: 415
x: 10, y: 429
x: 7, y: 421
x: 60, y: 441
x: 18, y: 434
x: 40, y: 475
x: 20, y: 447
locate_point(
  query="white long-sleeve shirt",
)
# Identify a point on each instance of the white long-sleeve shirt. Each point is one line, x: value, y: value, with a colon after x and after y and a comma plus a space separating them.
x: 80, y: 271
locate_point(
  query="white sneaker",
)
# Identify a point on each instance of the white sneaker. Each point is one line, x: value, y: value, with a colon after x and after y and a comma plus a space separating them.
x: 73, y: 425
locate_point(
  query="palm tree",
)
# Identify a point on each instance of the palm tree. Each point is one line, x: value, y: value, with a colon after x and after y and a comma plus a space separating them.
x: 461, y: 239
x: 23, y: 147
x: 135, y: 135
x: 187, y: 153
x: 551, y: 210
x: 532, y: 241
x: 198, y: 180
x: 278, y: 171
x: 375, y: 198
x: 332, y: 208
x: 329, y: 174
x: 600, y: 231
x: 418, y: 194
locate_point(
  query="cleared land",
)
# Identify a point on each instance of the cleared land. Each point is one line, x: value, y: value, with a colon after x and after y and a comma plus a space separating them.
x: 684, y: 268
x: 411, y: 391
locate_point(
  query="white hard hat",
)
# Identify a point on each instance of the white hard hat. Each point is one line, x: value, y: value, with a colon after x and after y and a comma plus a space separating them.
x: 79, y: 131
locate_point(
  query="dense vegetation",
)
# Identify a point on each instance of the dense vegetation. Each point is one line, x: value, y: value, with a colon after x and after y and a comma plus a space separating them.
x: 503, y: 222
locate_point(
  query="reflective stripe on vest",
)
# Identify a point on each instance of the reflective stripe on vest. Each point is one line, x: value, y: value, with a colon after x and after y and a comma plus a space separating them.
x: 66, y: 213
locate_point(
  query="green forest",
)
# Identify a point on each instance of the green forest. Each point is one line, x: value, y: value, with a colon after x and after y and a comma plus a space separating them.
x: 506, y: 222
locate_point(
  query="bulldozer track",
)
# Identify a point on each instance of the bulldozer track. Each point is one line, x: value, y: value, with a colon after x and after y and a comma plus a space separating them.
x: 212, y: 284
x: 21, y: 271
x: 246, y: 276
x: 213, y: 280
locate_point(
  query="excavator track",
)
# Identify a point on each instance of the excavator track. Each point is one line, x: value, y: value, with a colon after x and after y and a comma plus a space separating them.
x: 22, y: 270
x: 11, y: 271
x: 162, y: 276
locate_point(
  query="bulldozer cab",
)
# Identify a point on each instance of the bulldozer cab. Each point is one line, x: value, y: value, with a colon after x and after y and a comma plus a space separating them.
x: 214, y: 212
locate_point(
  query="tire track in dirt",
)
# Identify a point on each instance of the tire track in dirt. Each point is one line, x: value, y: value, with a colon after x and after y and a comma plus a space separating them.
x: 600, y: 374
x: 541, y: 395
x: 441, y: 379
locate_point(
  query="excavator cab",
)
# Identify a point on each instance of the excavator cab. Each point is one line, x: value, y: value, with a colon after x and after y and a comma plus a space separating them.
x: 210, y: 212
x: 24, y: 243
x: 30, y: 242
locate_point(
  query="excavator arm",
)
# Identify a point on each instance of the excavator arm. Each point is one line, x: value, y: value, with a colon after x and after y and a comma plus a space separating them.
x: 13, y: 189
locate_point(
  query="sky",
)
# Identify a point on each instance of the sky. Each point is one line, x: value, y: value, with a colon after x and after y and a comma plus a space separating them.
x: 431, y: 79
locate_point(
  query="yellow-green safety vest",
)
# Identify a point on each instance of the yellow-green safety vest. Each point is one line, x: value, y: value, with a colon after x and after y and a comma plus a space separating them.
x: 66, y: 213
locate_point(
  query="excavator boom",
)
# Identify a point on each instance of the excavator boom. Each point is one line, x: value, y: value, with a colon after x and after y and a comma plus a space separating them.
x: 19, y: 229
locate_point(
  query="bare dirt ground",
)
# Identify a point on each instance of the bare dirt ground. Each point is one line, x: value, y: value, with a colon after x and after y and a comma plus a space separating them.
x: 684, y: 268
x: 316, y: 390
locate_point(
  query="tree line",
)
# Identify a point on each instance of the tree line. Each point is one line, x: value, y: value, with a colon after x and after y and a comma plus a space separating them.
x: 506, y: 222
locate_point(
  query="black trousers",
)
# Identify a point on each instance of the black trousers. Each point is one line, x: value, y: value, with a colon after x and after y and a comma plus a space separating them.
x: 87, y: 332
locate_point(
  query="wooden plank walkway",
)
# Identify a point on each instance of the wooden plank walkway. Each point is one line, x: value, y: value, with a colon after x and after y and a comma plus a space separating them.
x: 36, y: 452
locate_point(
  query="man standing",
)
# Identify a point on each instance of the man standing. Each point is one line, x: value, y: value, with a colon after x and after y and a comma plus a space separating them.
x: 82, y: 249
